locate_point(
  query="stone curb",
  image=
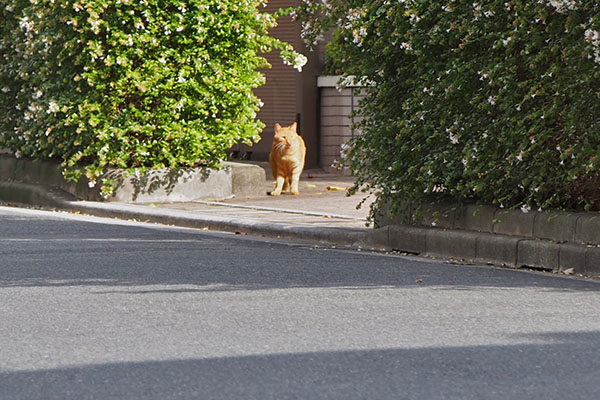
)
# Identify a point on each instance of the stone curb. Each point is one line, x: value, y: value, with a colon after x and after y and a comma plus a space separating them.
x: 496, y: 249
x: 548, y: 240
x: 471, y: 246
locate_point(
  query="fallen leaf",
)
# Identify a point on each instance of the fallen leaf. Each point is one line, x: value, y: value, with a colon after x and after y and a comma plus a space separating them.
x: 335, y: 188
x: 569, y: 271
x: 419, y: 281
x: 310, y: 176
x: 311, y: 185
x: 206, y: 228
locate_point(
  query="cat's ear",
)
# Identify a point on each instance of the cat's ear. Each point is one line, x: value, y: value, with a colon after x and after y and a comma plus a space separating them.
x: 294, y: 126
x: 277, y: 128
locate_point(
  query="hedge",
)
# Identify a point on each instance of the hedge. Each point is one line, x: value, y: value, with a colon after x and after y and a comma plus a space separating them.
x: 100, y: 84
x: 493, y: 101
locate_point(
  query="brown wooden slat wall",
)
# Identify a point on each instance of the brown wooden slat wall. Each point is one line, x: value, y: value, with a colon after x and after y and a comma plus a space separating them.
x: 288, y: 94
x: 279, y: 94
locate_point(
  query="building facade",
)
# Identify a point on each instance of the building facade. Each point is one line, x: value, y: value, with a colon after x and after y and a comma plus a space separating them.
x: 321, y: 110
x: 289, y: 95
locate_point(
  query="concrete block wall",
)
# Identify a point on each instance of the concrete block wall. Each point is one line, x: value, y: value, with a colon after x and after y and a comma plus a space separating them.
x: 550, y: 240
x: 335, y: 123
x: 182, y: 184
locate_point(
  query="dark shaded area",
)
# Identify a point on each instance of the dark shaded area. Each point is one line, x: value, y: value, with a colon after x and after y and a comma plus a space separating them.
x: 474, y: 372
x: 57, y: 252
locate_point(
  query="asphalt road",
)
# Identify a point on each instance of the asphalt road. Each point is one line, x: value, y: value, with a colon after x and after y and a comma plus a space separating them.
x: 102, y: 309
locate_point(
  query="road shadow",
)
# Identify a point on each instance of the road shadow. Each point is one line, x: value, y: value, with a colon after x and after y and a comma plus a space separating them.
x: 57, y: 252
x: 565, y: 366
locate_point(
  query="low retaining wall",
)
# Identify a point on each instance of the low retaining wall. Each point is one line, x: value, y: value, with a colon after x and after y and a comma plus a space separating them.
x: 557, y: 226
x: 551, y: 240
x: 182, y: 184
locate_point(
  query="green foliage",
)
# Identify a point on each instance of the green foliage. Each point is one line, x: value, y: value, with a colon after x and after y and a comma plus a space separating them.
x: 494, y: 101
x: 132, y: 84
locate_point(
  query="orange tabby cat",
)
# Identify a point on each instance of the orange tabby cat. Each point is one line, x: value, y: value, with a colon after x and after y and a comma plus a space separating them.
x: 287, y: 159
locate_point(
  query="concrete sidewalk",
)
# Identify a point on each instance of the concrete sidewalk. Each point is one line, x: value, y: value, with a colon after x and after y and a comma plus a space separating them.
x: 321, y: 213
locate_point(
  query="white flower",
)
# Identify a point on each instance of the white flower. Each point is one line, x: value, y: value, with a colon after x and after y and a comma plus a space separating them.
x: 95, y: 23
x: 299, y: 62
x: 453, y: 137
x: 592, y: 36
x: 520, y: 156
x: 561, y: 5
x: 26, y: 24
x: 405, y: 46
x: 52, y: 107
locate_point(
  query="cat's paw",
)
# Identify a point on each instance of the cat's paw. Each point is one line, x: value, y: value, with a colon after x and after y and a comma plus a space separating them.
x: 275, y: 193
x: 294, y: 192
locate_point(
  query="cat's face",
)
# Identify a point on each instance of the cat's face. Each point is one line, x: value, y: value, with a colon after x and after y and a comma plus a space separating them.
x: 284, y: 136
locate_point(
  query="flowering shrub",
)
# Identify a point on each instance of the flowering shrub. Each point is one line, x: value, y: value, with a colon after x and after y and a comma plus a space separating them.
x: 132, y: 84
x: 493, y: 101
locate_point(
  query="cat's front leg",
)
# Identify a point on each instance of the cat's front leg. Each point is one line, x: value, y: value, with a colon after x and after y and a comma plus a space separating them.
x: 279, y: 186
x: 295, y: 183
x: 286, y: 185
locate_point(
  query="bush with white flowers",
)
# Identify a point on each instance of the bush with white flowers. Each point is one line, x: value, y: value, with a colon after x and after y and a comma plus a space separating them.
x: 490, y: 101
x: 131, y: 84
